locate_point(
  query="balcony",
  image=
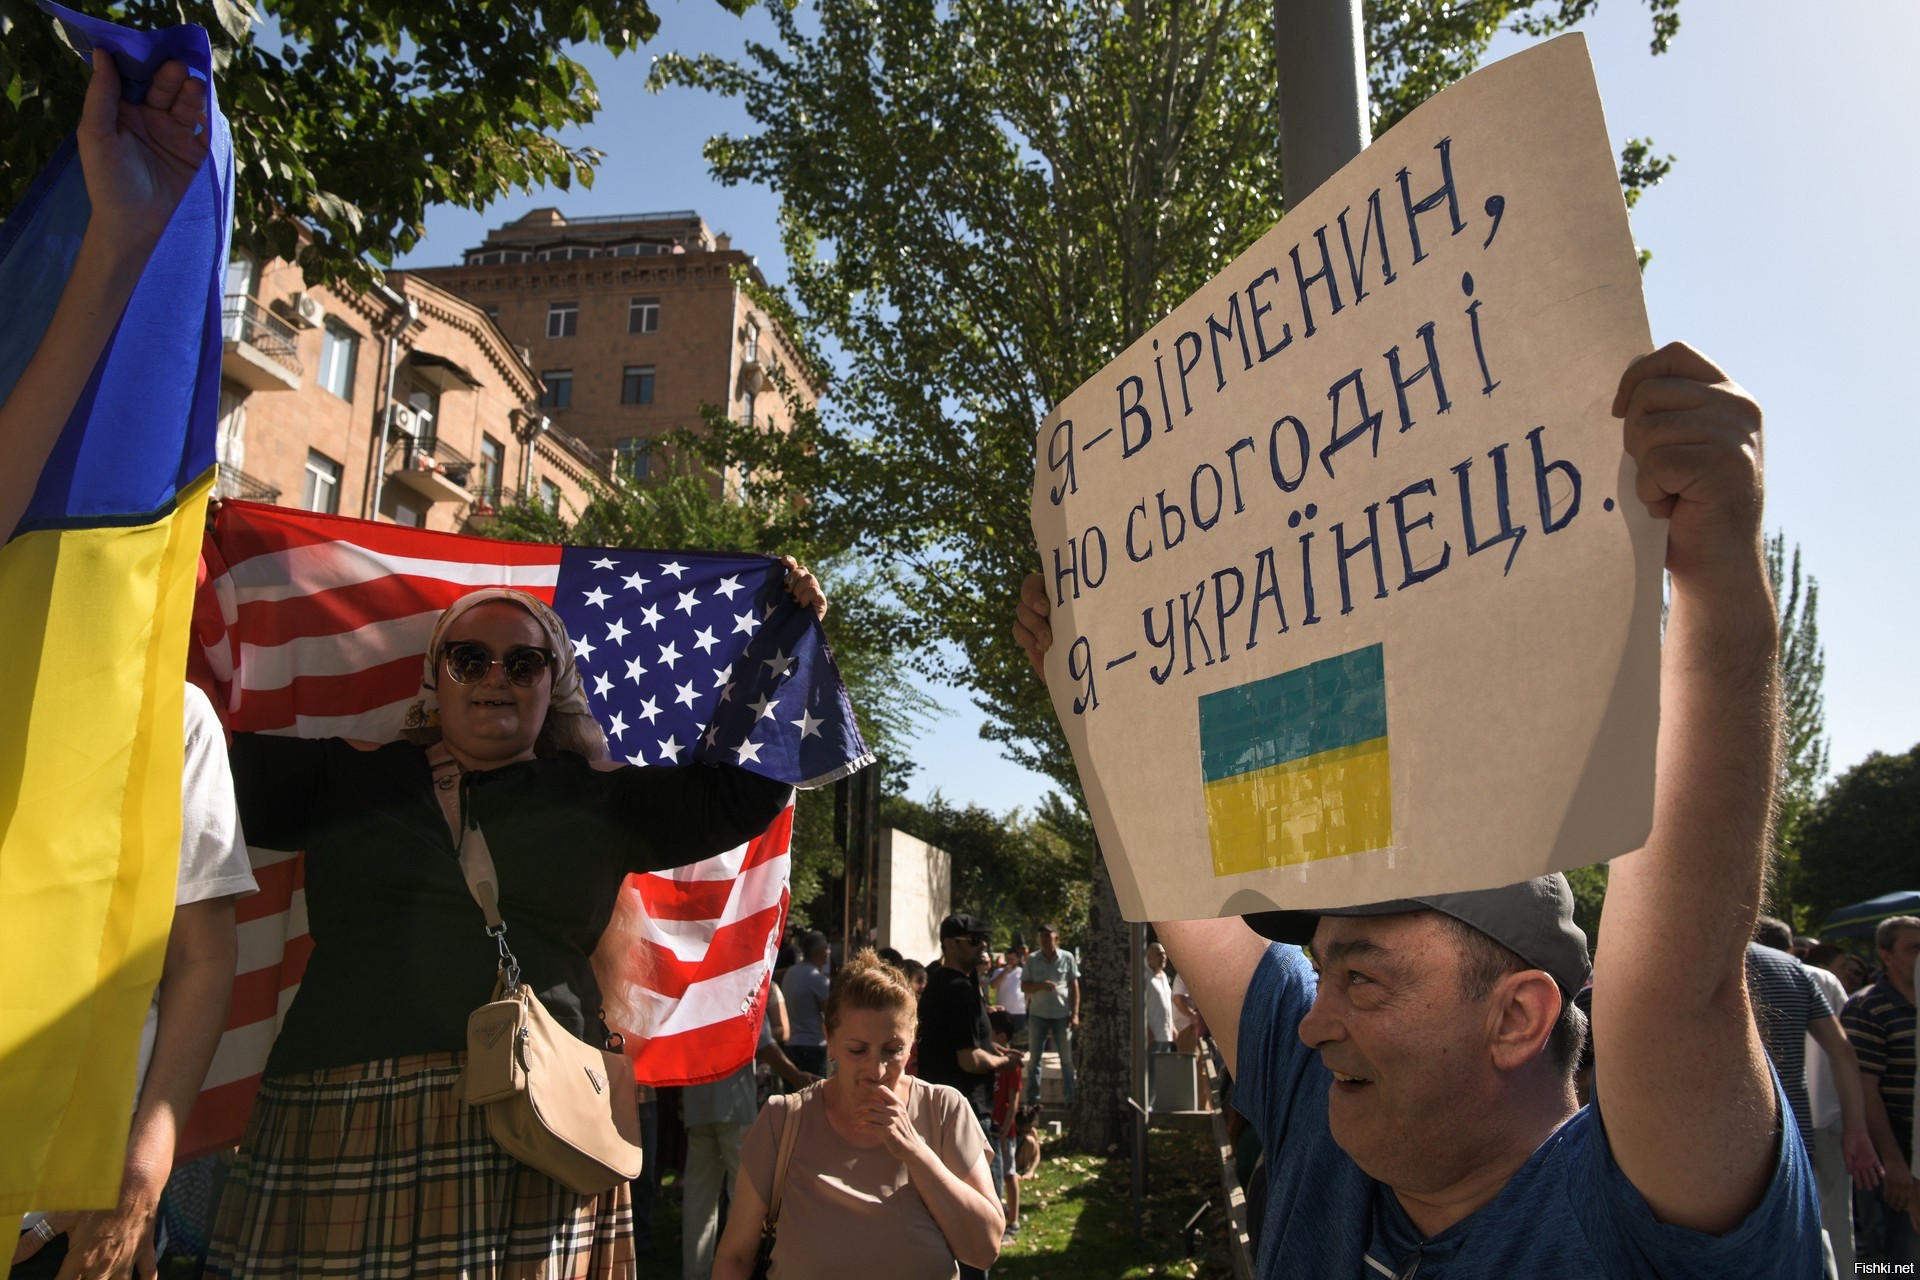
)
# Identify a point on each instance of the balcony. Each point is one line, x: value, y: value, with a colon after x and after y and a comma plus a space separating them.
x: 436, y: 471
x: 234, y: 483
x: 259, y: 352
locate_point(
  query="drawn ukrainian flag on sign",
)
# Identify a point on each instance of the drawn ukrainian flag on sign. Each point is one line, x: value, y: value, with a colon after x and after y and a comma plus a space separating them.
x: 96, y: 586
x: 1295, y: 766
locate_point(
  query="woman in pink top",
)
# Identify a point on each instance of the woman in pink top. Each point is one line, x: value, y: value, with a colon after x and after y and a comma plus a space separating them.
x: 882, y: 1161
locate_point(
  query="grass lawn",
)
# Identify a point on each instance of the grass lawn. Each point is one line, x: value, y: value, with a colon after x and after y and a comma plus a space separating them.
x: 1077, y: 1217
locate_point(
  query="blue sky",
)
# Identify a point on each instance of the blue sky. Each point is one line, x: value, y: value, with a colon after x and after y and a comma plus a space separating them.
x: 1777, y: 251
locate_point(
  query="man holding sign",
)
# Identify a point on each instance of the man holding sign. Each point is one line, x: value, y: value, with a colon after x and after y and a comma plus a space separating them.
x: 1414, y: 1085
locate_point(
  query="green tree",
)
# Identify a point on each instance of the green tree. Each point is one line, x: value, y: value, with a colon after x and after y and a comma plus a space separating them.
x: 1858, y: 840
x: 353, y: 118
x: 681, y: 511
x: 1803, y: 724
x: 983, y: 201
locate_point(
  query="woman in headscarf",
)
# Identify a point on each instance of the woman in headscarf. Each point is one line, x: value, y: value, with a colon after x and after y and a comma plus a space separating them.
x: 360, y: 1159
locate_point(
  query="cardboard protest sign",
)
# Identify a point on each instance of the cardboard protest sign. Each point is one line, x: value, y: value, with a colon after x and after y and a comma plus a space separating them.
x: 1352, y: 597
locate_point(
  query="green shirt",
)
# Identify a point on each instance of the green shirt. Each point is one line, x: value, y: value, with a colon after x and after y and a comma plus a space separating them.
x: 1063, y: 970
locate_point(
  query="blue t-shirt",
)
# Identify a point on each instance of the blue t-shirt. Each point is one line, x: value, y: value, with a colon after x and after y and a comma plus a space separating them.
x: 1569, y: 1212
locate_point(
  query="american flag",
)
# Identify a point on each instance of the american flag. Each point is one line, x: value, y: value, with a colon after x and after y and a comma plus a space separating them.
x: 315, y: 625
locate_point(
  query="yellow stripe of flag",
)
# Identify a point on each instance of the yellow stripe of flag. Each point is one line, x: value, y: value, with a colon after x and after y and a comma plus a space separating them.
x: 90, y: 739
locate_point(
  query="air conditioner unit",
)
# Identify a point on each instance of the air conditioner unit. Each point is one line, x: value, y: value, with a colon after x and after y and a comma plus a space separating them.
x: 305, y: 311
x: 406, y: 419
x: 752, y: 375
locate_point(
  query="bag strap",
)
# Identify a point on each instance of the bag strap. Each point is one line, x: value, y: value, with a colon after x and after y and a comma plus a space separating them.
x: 788, y: 1132
x: 483, y: 882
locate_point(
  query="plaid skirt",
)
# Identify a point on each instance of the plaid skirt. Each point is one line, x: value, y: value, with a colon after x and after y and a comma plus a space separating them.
x: 378, y: 1170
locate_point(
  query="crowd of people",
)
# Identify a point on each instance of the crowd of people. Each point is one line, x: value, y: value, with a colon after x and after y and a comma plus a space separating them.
x: 1413, y: 1068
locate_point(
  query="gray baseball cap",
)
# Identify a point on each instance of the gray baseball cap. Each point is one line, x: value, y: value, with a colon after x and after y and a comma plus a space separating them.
x: 1533, y: 919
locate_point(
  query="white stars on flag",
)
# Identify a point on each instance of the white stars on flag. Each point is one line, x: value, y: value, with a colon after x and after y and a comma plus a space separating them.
x: 770, y: 704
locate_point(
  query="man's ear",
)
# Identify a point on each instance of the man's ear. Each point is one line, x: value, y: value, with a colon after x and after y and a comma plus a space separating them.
x: 1521, y: 1011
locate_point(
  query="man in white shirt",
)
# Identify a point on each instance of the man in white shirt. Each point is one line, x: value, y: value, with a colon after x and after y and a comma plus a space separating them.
x: 1159, y: 1001
x: 1008, y: 991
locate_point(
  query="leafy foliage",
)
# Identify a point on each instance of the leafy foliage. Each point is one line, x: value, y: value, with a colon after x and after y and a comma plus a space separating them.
x: 1857, y: 840
x: 983, y: 202
x: 1803, y: 741
x: 352, y: 118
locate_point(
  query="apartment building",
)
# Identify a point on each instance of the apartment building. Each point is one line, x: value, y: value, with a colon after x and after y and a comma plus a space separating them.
x: 633, y: 323
x: 406, y: 403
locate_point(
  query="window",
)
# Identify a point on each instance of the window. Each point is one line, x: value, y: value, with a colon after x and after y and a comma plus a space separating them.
x: 563, y: 319
x: 636, y: 384
x: 643, y: 315
x: 405, y: 513
x: 339, y: 348
x: 492, y: 257
x: 323, y: 483
x: 493, y: 314
x: 567, y: 253
x: 549, y: 495
x: 753, y: 340
x: 640, y: 250
x: 630, y: 457
x: 559, y: 392
x: 491, y: 457
x: 746, y: 419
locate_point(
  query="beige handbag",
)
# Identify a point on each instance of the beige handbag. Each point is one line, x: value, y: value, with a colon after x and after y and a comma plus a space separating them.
x: 566, y: 1108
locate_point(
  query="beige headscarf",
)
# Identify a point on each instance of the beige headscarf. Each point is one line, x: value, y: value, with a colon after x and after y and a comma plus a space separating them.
x: 569, y: 695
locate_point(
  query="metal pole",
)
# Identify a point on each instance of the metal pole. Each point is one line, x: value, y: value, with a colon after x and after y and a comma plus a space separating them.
x: 1321, y: 50
x: 1137, y: 1051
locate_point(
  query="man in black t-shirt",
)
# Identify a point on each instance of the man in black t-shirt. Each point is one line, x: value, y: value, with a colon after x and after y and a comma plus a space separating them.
x: 956, y: 1043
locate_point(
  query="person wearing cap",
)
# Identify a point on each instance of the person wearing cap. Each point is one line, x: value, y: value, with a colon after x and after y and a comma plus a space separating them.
x: 1413, y: 1082
x: 956, y: 1038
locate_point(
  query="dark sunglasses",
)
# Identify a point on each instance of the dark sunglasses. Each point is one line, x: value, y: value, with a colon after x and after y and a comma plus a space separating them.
x: 468, y: 662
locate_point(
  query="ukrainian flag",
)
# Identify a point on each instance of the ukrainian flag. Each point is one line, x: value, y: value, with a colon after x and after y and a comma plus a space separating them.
x: 96, y: 591
x: 1295, y: 766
